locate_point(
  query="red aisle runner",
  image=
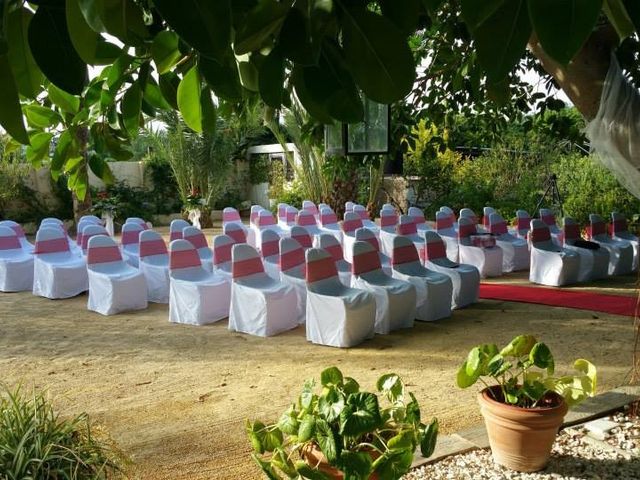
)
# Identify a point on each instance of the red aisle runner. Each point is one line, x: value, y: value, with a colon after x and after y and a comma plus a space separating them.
x: 616, y: 304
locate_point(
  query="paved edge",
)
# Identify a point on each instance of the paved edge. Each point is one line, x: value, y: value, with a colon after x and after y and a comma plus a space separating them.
x: 476, y: 437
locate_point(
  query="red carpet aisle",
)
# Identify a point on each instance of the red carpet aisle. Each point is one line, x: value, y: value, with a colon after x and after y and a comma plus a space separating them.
x: 616, y: 304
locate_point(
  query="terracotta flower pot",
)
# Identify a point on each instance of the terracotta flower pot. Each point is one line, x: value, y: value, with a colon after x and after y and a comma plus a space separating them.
x: 521, y: 438
x: 314, y: 457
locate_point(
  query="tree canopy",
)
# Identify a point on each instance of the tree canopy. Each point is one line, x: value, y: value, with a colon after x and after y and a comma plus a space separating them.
x: 179, y: 54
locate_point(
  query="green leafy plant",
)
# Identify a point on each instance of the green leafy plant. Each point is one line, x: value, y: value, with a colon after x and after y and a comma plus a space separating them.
x: 524, y: 371
x: 35, y: 442
x: 355, y: 433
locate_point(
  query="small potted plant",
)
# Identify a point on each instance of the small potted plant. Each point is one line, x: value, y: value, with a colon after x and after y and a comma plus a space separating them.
x: 343, y: 432
x: 526, y: 407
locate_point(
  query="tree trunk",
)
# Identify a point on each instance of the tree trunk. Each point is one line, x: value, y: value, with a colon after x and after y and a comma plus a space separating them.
x: 583, y: 78
x: 83, y: 206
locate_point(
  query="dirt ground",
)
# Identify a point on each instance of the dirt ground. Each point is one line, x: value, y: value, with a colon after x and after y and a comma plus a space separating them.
x: 175, y: 397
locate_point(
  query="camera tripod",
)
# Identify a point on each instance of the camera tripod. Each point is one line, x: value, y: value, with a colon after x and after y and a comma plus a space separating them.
x: 550, y: 189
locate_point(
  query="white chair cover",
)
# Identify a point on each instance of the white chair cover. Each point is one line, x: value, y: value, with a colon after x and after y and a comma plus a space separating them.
x: 176, y: 227
x: 329, y: 224
x: 90, y: 230
x: 222, y: 245
x: 395, y: 299
x: 465, y: 278
x: 366, y: 221
x: 130, y: 243
x: 419, y: 219
x: 549, y: 219
x: 236, y: 232
x: 468, y: 213
x: 486, y: 216
x: 337, y: 316
x: 348, y: 206
x: 366, y: 235
x: 330, y: 244
x: 445, y: 228
x: 57, y: 273
x: 523, y: 224
x: 515, y: 251
x: 550, y: 265
x: 154, y: 265
x: 292, y: 271
x: 82, y: 224
x: 620, y: 231
x: 350, y: 224
x: 388, y: 224
x: 307, y: 220
x: 196, y: 296
x: 260, y: 305
x: 270, y: 251
x: 449, y: 211
x: 26, y: 245
x: 74, y: 248
x: 488, y: 260
x: 114, y: 286
x: 620, y: 251
x: 91, y: 219
x: 594, y: 261
x: 388, y: 207
x: 282, y: 215
x: 144, y: 224
x: 231, y: 216
x: 433, y: 290
x: 16, y: 265
x: 195, y: 236
x: 266, y: 221
x: 311, y: 207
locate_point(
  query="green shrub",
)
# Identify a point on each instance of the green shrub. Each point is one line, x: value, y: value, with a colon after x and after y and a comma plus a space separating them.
x: 36, y: 443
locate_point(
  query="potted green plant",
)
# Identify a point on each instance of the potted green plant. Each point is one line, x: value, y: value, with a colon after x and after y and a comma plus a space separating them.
x: 343, y: 432
x: 525, y: 409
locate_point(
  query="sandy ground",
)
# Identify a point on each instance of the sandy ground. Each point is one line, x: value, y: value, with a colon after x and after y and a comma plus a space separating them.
x: 175, y: 397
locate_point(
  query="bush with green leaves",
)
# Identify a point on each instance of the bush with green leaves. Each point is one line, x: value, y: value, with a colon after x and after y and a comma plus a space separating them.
x: 354, y: 431
x: 36, y: 443
x: 524, y: 371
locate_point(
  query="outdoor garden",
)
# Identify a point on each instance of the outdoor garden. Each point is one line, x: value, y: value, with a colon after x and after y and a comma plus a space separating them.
x: 319, y: 239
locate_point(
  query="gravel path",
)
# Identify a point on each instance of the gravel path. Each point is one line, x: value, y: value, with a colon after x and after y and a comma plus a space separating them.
x: 575, y: 456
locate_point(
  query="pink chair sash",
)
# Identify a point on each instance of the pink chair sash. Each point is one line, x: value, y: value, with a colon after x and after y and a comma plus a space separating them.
x: 328, y: 219
x: 198, y: 241
x: 291, y: 259
x: 244, y: 268
x: 291, y: 216
x: 79, y: 237
x: 321, y: 269
x: 351, y: 225
x: 269, y: 248
x: 363, y: 214
x: 499, y: 228
x: 19, y: 231
x: 306, y: 220
x: 435, y: 250
x: 485, y: 221
x: 131, y: 237
x: 407, y: 228
x: 231, y: 217
x: 365, y: 262
x: 222, y: 253
x: 282, y: 213
x: 405, y: 254
x: 312, y: 209
x: 539, y: 235
x: 85, y: 240
x: 465, y: 231
x: 388, y: 220
x: 549, y: 219
x: 335, y: 251
x: 619, y: 226
x: 444, y: 223
x: 152, y: 247
x: 419, y: 219
x: 176, y: 235
x: 597, y: 228
x: 266, y: 220
x: 304, y: 240
x: 253, y: 217
x: 105, y: 254
x: 523, y: 223
x: 184, y: 259
x: 572, y: 232
x: 53, y: 245
x: 238, y: 235
x: 9, y: 243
